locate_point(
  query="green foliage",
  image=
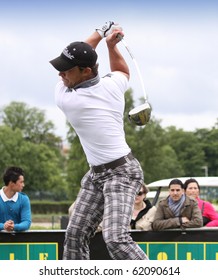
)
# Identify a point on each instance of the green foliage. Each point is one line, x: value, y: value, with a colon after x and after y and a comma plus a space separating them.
x: 10, y: 143
x: 188, y: 149
x: 77, y: 166
x: 24, y: 143
x: 27, y: 140
x: 31, y: 121
x: 48, y: 207
x: 209, y: 143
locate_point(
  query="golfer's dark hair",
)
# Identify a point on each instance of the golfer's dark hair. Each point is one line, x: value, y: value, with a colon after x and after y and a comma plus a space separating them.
x: 12, y: 174
x: 191, y: 180
x: 94, y: 69
x: 176, y: 182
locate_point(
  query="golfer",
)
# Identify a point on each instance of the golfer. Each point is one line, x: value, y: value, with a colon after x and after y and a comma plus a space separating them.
x: 94, y: 107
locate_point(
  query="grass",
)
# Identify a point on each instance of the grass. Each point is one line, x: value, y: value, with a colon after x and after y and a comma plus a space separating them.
x: 41, y: 227
x: 46, y: 222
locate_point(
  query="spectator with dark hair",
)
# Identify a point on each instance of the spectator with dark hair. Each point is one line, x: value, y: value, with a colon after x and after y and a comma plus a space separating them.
x: 209, y: 214
x: 177, y: 210
x: 15, y: 210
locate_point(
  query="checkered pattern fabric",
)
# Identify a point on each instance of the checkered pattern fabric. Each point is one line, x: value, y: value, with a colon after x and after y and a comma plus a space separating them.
x: 107, y: 196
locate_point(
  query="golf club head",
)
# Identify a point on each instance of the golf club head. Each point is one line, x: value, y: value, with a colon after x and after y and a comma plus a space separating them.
x: 141, y: 114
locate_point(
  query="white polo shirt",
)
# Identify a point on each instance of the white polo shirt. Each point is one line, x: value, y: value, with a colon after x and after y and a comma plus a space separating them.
x: 96, y: 114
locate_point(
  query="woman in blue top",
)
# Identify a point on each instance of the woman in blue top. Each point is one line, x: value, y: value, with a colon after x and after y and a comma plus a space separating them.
x: 15, y: 210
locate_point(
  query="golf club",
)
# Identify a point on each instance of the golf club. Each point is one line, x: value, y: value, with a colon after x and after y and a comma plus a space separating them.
x: 141, y: 114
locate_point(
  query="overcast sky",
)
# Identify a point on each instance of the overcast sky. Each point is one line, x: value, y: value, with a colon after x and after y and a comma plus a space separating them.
x: 175, y: 44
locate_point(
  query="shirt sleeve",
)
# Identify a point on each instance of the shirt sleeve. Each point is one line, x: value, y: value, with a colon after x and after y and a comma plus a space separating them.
x: 210, y: 213
x: 120, y: 80
x: 25, y: 215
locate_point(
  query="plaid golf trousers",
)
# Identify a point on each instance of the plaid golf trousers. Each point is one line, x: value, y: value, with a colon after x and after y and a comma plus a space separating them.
x: 107, y: 196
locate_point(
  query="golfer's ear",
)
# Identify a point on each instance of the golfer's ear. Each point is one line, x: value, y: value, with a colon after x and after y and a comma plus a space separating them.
x: 87, y: 70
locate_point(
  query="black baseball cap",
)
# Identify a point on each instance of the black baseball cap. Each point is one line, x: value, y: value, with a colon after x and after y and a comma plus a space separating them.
x: 76, y: 54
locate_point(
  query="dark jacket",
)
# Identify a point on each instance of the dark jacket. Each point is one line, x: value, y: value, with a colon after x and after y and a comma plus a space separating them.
x: 165, y: 219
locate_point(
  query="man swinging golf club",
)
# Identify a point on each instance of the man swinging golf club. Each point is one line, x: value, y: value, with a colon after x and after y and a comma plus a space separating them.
x: 94, y: 107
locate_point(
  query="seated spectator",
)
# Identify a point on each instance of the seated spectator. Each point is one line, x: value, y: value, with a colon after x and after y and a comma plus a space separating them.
x: 177, y: 210
x: 15, y: 212
x: 210, y: 216
x: 143, y: 212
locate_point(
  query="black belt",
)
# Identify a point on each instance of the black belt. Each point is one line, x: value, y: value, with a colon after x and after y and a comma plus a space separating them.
x: 112, y: 164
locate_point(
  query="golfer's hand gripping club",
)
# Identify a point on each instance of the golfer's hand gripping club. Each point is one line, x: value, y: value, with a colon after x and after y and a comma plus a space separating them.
x: 108, y: 28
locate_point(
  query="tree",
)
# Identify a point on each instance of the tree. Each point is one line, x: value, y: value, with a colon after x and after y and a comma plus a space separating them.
x: 208, y: 140
x: 43, y: 173
x: 27, y: 140
x: 188, y: 150
x: 157, y: 158
x: 148, y: 144
x: 31, y: 121
x: 10, y: 143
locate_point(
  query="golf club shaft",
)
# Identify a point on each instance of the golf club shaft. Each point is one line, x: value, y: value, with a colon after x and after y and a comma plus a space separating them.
x: 136, y: 65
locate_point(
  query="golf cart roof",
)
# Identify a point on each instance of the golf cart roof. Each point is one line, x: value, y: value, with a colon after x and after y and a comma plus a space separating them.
x: 159, y: 189
x: 203, y: 181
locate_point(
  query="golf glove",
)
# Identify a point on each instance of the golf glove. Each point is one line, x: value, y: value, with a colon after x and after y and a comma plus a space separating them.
x: 108, y: 28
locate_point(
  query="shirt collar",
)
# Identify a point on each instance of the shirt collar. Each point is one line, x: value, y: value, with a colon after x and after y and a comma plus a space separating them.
x: 85, y: 84
x: 5, y: 198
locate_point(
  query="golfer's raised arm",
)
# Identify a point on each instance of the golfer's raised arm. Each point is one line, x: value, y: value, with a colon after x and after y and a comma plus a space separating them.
x: 94, y: 39
x: 117, y: 62
x: 102, y: 32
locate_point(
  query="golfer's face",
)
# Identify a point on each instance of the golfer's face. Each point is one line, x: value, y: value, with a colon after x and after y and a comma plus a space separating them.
x: 175, y: 192
x: 71, y: 77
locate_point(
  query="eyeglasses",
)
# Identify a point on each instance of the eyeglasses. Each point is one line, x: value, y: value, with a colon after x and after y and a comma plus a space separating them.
x: 140, y: 193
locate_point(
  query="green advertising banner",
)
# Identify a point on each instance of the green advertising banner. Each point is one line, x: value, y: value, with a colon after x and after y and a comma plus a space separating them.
x: 29, y: 251
x: 166, y: 245
x: 180, y: 250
